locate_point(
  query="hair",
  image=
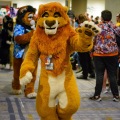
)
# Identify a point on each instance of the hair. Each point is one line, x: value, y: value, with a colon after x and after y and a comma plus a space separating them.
x: 71, y: 14
x: 118, y: 15
x: 106, y: 15
x: 82, y: 18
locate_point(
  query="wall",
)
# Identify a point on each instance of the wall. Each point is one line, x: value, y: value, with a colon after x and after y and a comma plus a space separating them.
x: 94, y: 7
x: 34, y: 3
x: 5, y: 3
x: 79, y: 6
x: 114, y: 7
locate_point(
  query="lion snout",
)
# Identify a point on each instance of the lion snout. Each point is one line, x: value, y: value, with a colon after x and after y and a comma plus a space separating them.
x: 50, y: 23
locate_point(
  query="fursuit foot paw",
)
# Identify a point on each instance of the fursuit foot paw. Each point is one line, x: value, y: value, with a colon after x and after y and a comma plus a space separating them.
x: 31, y: 95
x: 16, y: 92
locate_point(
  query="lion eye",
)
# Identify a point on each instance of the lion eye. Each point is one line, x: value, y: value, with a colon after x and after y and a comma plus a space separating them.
x: 57, y: 14
x: 45, y: 14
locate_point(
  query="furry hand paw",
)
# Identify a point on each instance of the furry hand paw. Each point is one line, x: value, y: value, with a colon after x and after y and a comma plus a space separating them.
x: 88, y: 29
x: 33, y: 27
x: 26, y: 79
x: 32, y: 22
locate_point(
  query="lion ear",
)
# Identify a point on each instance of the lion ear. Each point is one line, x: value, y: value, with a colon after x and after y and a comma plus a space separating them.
x: 40, y: 6
x: 66, y: 9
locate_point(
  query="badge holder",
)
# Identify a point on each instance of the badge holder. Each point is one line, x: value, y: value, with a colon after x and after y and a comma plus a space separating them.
x: 49, y: 64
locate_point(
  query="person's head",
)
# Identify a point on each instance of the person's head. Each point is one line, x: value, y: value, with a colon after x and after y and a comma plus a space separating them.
x: 82, y: 18
x: 118, y: 18
x: 91, y: 16
x: 97, y: 18
x: 106, y: 15
x: 71, y: 14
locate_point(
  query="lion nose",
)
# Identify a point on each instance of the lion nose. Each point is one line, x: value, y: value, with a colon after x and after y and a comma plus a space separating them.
x: 50, y: 23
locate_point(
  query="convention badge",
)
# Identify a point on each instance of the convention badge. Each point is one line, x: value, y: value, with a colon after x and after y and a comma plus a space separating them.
x: 49, y: 67
x: 48, y: 60
x: 48, y: 63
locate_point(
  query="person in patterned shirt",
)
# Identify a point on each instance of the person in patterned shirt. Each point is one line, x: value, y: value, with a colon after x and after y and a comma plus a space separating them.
x: 105, y: 55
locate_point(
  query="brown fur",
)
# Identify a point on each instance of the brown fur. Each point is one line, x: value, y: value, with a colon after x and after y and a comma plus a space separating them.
x: 60, y: 46
x: 23, y: 39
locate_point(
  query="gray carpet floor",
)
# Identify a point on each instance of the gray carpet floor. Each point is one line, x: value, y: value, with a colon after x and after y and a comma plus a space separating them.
x: 17, y: 107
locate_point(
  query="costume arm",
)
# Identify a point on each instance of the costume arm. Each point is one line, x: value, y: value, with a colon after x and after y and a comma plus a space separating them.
x: 31, y: 59
x: 24, y: 38
x: 82, y: 41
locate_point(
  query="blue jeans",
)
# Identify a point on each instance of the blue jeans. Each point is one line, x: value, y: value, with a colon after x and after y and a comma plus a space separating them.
x: 110, y: 63
x: 76, y: 57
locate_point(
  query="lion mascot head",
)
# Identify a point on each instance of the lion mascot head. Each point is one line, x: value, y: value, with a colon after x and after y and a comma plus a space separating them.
x: 52, y: 17
x: 25, y: 16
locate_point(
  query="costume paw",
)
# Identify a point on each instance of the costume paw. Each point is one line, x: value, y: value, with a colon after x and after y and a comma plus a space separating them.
x: 26, y: 79
x: 31, y: 95
x: 16, y: 92
x: 88, y: 29
x: 32, y: 22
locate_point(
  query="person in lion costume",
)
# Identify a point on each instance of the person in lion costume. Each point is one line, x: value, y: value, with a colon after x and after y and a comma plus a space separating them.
x: 53, y: 42
x: 23, y: 31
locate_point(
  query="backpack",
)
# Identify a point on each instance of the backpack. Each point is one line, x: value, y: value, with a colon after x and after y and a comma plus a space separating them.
x: 117, y: 36
x: 0, y: 39
x: 117, y: 40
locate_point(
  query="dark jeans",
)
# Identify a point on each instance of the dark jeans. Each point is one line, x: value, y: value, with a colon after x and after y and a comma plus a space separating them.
x: 110, y: 64
x: 86, y: 63
x: 118, y: 76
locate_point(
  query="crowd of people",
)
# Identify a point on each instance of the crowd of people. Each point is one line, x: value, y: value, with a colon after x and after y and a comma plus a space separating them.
x: 101, y: 63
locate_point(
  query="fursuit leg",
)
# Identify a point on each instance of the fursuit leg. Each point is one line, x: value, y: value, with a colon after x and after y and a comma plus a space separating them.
x: 29, y: 88
x: 71, y: 93
x: 16, y: 87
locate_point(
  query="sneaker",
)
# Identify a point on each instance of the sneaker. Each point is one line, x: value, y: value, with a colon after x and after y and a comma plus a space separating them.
x: 92, y: 76
x: 79, y: 70
x: 96, y: 98
x: 104, y: 91
x: 116, y: 98
x: 81, y: 77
